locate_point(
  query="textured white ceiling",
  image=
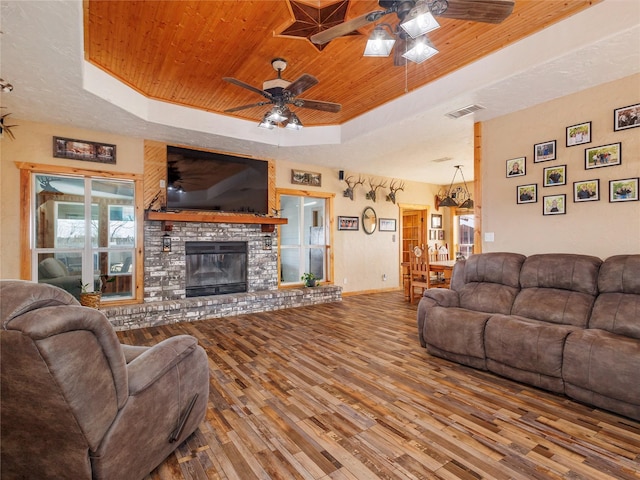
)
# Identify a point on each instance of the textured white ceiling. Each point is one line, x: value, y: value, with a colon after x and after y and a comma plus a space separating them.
x: 42, y: 56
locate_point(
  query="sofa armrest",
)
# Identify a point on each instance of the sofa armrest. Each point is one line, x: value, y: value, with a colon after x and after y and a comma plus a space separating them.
x: 443, y: 297
x: 152, y: 364
x: 131, y: 352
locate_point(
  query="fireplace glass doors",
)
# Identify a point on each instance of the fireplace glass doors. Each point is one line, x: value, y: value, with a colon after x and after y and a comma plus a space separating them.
x: 215, y: 268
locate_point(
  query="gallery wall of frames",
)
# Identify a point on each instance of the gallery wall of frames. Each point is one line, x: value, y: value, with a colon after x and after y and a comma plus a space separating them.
x: 558, y: 171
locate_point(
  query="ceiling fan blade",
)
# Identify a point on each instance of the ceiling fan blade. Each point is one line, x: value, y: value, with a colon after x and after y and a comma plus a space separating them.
x: 487, y: 11
x: 318, y: 105
x: 243, y: 107
x: 347, y: 27
x: 240, y: 83
x: 304, y: 82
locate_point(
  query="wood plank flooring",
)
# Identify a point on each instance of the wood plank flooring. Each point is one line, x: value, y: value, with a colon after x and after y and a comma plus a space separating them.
x: 344, y: 391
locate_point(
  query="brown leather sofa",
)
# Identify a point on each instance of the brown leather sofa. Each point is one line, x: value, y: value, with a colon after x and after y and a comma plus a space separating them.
x: 76, y: 403
x: 562, y: 322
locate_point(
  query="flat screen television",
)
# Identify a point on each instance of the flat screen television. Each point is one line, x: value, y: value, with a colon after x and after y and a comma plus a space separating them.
x: 198, y: 180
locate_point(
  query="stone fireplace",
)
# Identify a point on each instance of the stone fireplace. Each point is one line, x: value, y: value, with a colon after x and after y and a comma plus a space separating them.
x: 166, y: 296
x: 199, y: 252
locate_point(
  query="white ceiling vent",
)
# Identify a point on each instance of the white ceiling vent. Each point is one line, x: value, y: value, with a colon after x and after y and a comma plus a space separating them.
x: 461, y: 112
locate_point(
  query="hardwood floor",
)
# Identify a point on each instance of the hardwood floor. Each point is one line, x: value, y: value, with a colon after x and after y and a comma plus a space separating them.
x: 344, y: 391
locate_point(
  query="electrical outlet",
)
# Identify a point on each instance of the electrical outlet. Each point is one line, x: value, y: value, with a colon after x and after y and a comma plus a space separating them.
x: 345, y: 280
x: 162, y: 183
x: 384, y: 277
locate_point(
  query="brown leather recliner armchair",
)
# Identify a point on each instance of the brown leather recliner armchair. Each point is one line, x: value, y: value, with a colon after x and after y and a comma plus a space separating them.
x: 75, y: 403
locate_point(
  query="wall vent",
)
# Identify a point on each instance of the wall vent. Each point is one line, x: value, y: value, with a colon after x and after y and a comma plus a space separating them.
x: 461, y: 112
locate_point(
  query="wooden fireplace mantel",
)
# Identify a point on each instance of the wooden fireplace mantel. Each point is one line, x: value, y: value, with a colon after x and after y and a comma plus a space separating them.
x: 268, y: 223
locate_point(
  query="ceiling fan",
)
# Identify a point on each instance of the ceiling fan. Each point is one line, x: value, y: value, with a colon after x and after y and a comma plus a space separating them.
x: 282, y: 93
x: 416, y: 17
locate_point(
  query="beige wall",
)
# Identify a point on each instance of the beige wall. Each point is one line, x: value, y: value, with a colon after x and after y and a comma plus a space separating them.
x: 359, y: 258
x: 596, y: 228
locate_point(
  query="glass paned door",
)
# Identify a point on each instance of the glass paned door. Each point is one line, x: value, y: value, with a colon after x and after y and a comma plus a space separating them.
x: 303, y: 240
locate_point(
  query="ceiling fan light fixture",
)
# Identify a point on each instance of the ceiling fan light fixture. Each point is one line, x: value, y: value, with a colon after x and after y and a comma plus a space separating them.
x: 419, y: 20
x: 267, y: 122
x: 419, y: 50
x: 380, y: 43
x: 294, y: 122
x: 278, y: 114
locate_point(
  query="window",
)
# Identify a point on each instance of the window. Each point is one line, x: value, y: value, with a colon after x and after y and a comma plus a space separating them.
x: 84, y: 234
x: 305, y: 239
x: 464, y: 227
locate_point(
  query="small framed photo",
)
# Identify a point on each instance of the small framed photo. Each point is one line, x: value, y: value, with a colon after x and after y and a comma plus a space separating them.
x: 555, y: 176
x: 84, y: 150
x: 586, y: 190
x: 348, y: 223
x: 436, y: 221
x: 440, y: 234
x: 545, y: 151
x: 298, y: 177
x: 516, y: 167
x: 387, y: 224
x: 433, y: 234
x: 579, y: 134
x: 625, y: 190
x: 528, y: 193
x: 554, y: 204
x: 626, y: 117
x: 603, y: 156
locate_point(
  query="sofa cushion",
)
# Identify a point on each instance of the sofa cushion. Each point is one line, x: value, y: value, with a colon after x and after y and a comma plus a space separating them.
x: 491, y: 282
x: 52, y: 268
x: 565, y: 271
x: 599, y: 366
x: 456, y: 334
x: 558, y: 288
x: 620, y: 273
x: 530, y: 346
x: 617, y: 308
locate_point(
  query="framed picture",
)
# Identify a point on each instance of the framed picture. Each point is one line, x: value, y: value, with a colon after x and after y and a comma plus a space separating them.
x: 84, y: 150
x: 554, y: 204
x: 298, y: 177
x: 603, y: 156
x: 586, y: 190
x: 440, y: 234
x: 387, y: 224
x: 516, y: 167
x: 579, y: 134
x: 527, y: 193
x: 348, y: 223
x: 553, y: 176
x: 436, y: 221
x: 625, y: 190
x: 433, y: 234
x: 545, y: 151
x: 626, y: 117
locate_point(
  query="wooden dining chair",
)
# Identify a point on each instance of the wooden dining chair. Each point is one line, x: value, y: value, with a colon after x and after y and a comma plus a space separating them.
x: 418, y: 274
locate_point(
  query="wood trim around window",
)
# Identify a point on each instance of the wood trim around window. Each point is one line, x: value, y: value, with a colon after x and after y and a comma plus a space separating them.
x: 26, y: 169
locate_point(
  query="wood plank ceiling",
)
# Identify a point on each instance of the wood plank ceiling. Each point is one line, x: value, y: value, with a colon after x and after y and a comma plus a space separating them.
x: 179, y: 51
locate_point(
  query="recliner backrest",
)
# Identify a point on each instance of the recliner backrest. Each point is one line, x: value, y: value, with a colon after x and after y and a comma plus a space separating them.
x: 558, y: 288
x: 617, y: 308
x: 64, y: 373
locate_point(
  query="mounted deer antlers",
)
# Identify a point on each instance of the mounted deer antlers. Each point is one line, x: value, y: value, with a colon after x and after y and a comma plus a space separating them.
x: 352, y: 184
x: 392, y: 194
x: 371, y: 194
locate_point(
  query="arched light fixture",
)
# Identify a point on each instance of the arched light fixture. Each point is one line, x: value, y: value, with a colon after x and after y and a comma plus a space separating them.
x: 455, y: 197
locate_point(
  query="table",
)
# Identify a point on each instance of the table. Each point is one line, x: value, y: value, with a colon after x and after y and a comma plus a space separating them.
x: 440, y: 266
